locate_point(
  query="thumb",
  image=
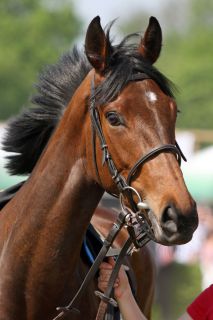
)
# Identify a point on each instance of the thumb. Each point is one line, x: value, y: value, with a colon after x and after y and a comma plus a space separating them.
x: 111, y: 261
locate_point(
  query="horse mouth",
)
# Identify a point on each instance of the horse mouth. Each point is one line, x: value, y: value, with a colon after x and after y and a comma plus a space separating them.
x: 165, y: 237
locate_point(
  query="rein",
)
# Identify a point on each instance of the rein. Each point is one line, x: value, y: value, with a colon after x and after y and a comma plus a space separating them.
x: 134, y: 219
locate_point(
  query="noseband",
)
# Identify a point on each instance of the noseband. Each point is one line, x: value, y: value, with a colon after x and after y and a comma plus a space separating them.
x: 123, y: 184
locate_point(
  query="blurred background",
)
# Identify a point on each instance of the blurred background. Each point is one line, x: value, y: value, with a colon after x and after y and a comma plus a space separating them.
x: 34, y: 33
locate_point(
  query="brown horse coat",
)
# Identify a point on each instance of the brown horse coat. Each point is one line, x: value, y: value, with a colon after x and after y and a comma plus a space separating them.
x: 42, y: 227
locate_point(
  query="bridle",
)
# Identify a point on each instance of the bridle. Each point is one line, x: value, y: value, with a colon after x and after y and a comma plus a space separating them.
x: 122, y: 183
x: 140, y: 231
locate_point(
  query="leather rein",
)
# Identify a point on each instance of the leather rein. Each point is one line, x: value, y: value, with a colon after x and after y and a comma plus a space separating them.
x: 134, y: 218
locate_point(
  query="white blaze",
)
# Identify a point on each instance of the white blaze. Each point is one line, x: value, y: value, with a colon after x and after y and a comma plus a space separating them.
x: 152, y: 97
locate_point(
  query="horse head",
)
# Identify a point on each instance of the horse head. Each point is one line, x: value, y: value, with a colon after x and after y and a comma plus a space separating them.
x: 137, y: 114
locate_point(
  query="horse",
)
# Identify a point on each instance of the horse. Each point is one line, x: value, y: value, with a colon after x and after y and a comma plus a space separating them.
x: 71, y: 165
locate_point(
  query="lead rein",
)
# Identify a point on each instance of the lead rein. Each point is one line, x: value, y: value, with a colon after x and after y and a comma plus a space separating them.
x: 117, y: 226
x: 140, y: 235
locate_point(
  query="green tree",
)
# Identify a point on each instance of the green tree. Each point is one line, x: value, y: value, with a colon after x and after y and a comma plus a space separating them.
x: 33, y: 33
x: 187, y: 58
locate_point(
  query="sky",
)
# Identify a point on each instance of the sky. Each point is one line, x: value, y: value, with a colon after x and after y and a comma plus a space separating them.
x: 111, y: 9
x: 123, y: 10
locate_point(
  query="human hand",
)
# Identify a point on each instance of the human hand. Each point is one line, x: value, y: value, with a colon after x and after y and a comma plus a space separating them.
x: 121, y: 286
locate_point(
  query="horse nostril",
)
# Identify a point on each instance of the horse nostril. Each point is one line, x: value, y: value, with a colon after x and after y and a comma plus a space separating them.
x: 170, y: 226
x: 169, y: 221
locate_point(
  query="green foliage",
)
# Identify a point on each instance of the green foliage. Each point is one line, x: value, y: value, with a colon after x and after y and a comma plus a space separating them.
x: 187, y: 60
x: 186, y: 57
x: 32, y: 34
x: 184, y: 286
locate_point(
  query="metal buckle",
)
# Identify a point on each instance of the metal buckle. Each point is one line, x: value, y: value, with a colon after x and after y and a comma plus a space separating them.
x: 106, y: 299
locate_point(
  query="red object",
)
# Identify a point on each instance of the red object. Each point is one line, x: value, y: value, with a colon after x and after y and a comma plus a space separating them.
x: 202, y: 307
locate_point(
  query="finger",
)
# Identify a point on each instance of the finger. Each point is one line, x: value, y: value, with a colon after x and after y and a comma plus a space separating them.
x: 102, y: 287
x: 105, y: 271
x: 126, y: 268
x: 104, y: 277
x: 117, y: 282
x: 122, y: 274
x: 102, y: 283
x: 111, y: 261
x: 105, y: 265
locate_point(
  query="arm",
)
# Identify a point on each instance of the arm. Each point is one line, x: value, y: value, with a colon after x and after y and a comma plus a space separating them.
x: 129, y: 308
x: 122, y: 291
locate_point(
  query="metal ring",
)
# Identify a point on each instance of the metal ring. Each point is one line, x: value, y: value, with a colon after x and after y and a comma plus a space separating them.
x: 140, y: 205
x: 134, y: 190
x: 122, y: 196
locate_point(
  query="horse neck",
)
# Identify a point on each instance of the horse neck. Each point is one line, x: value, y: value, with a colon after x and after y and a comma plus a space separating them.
x: 58, y: 200
x: 73, y: 194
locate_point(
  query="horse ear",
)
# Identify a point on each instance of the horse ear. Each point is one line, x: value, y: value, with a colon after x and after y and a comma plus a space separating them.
x: 97, y: 46
x: 151, y: 43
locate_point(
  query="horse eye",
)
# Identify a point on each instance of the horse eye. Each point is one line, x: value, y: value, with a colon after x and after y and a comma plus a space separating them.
x: 113, y: 118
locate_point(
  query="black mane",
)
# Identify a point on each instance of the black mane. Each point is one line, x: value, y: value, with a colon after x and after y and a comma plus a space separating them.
x: 28, y: 133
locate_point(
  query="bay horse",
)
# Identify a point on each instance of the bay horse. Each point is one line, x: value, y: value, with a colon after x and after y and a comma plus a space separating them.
x: 42, y: 227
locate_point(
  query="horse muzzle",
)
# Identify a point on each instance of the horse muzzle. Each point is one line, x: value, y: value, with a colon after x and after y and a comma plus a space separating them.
x: 174, y: 227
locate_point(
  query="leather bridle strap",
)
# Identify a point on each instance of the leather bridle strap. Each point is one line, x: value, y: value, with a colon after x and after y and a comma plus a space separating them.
x: 153, y: 153
x: 171, y: 148
x: 117, y: 226
x: 106, y: 157
x: 106, y: 297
